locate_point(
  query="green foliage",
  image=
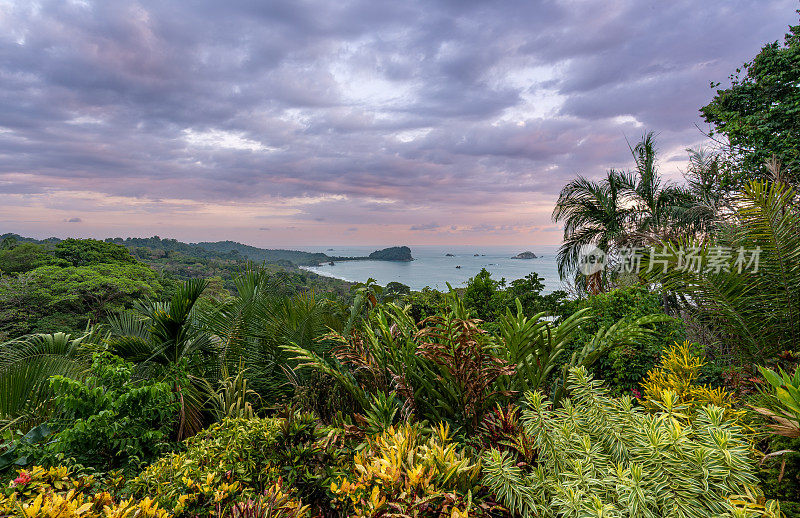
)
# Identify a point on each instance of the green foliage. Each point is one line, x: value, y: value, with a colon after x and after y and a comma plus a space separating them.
x: 784, y: 392
x: 624, y: 365
x: 229, y: 399
x: 109, y: 420
x: 67, y: 298
x: 446, y: 368
x: 479, y: 293
x: 163, y: 337
x: 600, y: 456
x: 84, y: 252
x: 467, y: 366
x: 534, y: 345
x: 23, y: 257
x: 113, y: 420
x: 382, y: 413
x: 759, y: 113
x: 254, y: 324
x: 753, y: 311
x: 229, y: 452
x: 780, y: 474
x: 269, y: 255
x: 528, y: 291
x: 425, y: 303
x: 241, y: 458
x: 26, y: 365
x: 489, y: 299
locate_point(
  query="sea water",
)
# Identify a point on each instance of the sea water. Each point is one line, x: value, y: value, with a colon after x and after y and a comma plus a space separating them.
x: 432, y: 267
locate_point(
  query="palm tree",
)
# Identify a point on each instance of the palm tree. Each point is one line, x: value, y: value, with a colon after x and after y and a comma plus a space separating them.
x: 26, y: 365
x: 162, y: 337
x: 657, y: 205
x: 709, y: 204
x: 251, y: 327
x: 594, y: 213
x: 754, y: 311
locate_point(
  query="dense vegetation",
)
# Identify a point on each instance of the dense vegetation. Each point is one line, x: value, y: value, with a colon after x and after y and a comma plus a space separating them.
x: 150, y: 378
x: 55, y: 285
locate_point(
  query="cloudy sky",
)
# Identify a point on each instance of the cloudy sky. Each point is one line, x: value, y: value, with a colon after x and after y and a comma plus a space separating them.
x: 280, y: 123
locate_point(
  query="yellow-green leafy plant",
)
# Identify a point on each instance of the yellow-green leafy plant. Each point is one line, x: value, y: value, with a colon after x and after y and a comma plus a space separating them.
x: 229, y: 398
x: 239, y: 459
x: 406, y: 472
x: 602, y: 456
x: 673, y: 385
x: 752, y: 504
x: 58, y: 492
x: 220, y: 465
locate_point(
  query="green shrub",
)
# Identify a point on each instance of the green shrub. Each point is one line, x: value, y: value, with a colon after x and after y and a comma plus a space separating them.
x: 623, y: 367
x: 600, y: 456
x: 110, y: 420
x: 240, y: 459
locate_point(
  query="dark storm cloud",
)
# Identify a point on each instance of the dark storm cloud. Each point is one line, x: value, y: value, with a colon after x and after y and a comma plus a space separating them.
x: 406, y: 110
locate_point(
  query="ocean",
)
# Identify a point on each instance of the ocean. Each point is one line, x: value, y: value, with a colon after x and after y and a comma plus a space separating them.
x: 432, y: 267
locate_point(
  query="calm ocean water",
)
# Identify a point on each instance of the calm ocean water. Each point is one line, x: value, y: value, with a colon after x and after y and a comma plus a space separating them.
x: 433, y: 268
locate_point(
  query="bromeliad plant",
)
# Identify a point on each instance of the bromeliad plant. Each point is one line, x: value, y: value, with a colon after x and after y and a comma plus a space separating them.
x: 535, y: 345
x: 601, y: 456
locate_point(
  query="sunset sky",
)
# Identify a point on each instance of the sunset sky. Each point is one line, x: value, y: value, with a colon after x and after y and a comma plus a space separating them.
x: 335, y: 122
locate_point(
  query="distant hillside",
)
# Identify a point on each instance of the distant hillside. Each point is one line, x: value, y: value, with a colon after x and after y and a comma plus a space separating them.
x: 173, y: 245
x: 232, y: 250
x: 265, y: 254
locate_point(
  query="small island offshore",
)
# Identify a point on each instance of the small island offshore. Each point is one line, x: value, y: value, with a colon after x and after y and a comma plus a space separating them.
x: 525, y: 255
x: 393, y: 253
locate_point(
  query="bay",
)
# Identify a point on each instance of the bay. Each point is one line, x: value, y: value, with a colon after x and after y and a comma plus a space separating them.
x: 432, y: 267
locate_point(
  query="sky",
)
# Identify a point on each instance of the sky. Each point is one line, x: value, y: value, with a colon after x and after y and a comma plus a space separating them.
x: 300, y: 123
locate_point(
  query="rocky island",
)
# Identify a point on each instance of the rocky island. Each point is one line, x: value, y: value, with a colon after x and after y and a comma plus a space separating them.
x: 394, y: 253
x: 525, y: 255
